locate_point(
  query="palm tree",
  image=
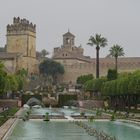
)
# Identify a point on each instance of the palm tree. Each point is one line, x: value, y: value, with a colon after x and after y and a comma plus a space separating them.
x: 98, y: 41
x: 116, y: 51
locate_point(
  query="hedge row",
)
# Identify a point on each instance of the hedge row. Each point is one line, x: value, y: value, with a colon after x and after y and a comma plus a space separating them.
x: 128, y: 85
x: 64, y: 98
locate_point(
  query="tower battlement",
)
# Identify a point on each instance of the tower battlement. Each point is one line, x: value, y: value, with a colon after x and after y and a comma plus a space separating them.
x: 20, y: 25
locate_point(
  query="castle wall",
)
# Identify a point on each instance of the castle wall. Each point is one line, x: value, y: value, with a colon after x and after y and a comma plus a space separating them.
x: 74, y: 70
x: 10, y: 65
x: 70, y: 62
x: 29, y: 63
x: 76, y: 64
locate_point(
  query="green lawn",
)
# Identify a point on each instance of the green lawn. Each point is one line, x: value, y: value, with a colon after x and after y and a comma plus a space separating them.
x: 6, y: 114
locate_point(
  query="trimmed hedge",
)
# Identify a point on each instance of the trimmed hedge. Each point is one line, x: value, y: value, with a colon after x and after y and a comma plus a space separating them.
x: 64, y: 98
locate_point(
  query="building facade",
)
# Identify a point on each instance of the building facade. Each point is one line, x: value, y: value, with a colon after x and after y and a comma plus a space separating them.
x: 76, y: 64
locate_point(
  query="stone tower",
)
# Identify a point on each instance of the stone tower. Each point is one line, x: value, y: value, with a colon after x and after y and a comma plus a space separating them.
x: 68, y: 47
x: 21, y: 37
x: 68, y: 39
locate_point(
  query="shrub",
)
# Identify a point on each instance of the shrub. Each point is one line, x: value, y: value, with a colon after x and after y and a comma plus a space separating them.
x: 64, y: 98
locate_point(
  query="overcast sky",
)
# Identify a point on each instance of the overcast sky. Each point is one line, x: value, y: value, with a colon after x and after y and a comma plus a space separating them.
x: 117, y: 20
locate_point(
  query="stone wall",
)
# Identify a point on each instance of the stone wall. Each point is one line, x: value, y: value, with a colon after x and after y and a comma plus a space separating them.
x: 74, y: 68
x: 30, y: 64
x: 10, y: 65
x: 90, y: 104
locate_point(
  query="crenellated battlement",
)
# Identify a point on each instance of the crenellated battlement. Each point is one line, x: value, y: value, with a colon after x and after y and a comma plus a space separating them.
x: 20, y: 25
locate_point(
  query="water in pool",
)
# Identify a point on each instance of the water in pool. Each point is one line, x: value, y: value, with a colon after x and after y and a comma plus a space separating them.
x: 40, y: 130
x: 122, y: 131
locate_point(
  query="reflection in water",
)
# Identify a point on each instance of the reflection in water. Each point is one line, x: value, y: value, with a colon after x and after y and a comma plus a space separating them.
x: 122, y: 131
x: 39, y: 130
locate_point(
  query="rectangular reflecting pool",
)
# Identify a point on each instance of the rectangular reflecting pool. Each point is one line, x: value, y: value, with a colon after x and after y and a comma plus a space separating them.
x: 121, y: 130
x: 41, y: 130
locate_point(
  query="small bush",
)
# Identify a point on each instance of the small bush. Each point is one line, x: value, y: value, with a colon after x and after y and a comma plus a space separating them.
x: 82, y: 114
x: 113, y: 117
x: 91, y: 118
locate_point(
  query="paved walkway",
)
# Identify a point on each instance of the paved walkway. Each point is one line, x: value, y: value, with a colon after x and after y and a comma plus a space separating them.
x: 5, y: 127
x: 19, y: 112
x: 69, y: 118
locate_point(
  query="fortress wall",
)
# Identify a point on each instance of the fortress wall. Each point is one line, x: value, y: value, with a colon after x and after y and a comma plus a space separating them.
x: 29, y: 64
x: 78, y: 69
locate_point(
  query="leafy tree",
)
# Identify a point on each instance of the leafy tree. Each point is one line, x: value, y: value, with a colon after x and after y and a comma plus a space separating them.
x: 88, y: 86
x: 97, y: 86
x: 94, y: 85
x: 22, y: 72
x: 112, y: 74
x: 2, y: 78
x: 44, y: 53
x: 99, y: 42
x: 124, y: 91
x: 51, y: 68
x: 12, y: 82
x: 123, y: 74
x: 115, y: 52
x: 83, y: 78
x: 20, y: 80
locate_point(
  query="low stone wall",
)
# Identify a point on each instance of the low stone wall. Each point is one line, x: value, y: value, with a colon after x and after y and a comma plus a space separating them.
x: 8, y: 103
x: 89, y: 104
x: 5, y: 127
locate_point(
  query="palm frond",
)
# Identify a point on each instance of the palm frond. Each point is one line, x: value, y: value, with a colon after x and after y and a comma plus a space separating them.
x: 116, y: 51
x: 97, y: 41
